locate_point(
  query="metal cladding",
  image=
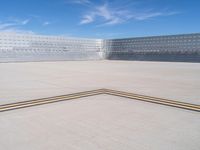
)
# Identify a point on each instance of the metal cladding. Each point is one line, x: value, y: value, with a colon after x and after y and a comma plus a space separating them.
x: 28, y: 47
x: 185, y: 48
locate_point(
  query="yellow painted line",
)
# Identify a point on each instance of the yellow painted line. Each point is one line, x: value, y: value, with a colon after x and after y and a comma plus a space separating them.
x: 23, y: 104
x: 155, y: 100
x: 49, y: 98
x: 46, y: 101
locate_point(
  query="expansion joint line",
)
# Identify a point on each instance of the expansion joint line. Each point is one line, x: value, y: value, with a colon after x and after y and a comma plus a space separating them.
x: 30, y: 103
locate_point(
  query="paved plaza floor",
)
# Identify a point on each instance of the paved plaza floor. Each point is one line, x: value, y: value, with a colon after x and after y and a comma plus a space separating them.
x: 31, y: 80
x: 100, y: 122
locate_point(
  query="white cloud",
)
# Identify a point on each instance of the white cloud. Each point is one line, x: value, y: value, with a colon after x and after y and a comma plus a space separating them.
x: 108, y: 15
x: 148, y: 15
x: 113, y: 21
x: 18, y: 21
x: 14, y: 25
x: 14, y: 30
x: 6, y: 25
x: 87, y: 19
x: 82, y: 2
x: 24, y: 22
x: 104, y: 12
x: 46, y: 23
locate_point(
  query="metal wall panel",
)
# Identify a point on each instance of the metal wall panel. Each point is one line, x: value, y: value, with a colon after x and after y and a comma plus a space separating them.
x: 26, y: 47
x: 19, y: 47
x: 184, y: 47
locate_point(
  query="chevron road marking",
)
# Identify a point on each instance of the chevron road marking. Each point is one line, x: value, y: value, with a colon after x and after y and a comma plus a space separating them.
x: 30, y: 103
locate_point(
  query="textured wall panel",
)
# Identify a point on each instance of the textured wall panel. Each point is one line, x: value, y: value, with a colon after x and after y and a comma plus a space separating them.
x: 19, y: 47
x: 158, y: 48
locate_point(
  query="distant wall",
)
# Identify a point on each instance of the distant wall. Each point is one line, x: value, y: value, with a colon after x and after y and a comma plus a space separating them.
x: 183, y: 48
x: 19, y: 47
x: 26, y: 47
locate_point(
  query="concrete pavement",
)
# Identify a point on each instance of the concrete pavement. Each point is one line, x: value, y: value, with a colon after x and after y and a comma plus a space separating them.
x: 31, y: 80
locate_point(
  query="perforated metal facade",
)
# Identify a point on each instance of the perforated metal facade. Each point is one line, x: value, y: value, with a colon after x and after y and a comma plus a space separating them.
x: 22, y: 47
x: 168, y: 48
x: 18, y: 47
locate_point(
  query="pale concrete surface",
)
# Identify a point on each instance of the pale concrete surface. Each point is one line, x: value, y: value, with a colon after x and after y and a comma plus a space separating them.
x: 31, y: 80
x: 100, y: 122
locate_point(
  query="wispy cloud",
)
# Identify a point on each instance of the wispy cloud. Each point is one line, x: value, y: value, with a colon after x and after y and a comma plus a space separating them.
x: 18, y: 21
x: 106, y: 14
x: 5, y: 25
x: 14, y: 25
x: 148, y: 15
x: 24, y: 22
x: 82, y: 2
x: 17, y: 25
x: 103, y: 12
x: 14, y: 30
x: 40, y: 20
x: 46, y: 23
x: 87, y: 19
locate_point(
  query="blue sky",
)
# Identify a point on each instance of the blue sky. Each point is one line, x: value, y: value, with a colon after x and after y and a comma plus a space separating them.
x: 100, y: 18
